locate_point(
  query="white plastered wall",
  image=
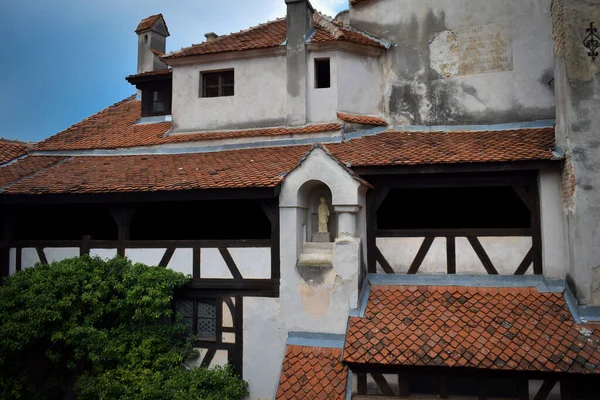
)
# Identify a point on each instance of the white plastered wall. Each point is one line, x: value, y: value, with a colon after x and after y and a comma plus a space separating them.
x: 322, y: 104
x: 360, y: 84
x: 297, y: 314
x: 554, y: 242
x: 259, y: 98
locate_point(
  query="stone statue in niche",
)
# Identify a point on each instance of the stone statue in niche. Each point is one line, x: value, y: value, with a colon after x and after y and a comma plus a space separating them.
x: 323, y: 216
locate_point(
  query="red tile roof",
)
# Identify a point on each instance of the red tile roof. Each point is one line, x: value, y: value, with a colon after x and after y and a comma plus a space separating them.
x: 273, y: 34
x: 114, y: 128
x: 263, y: 167
x: 362, y: 119
x: 488, y: 328
x: 148, y: 23
x: 9, y: 150
x: 26, y: 166
x: 268, y: 132
x: 419, y: 148
x: 312, y: 373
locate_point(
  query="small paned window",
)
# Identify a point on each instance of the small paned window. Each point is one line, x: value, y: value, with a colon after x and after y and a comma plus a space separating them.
x: 322, y: 73
x: 217, y: 84
x: 158, y: 102
x: 200, y: 316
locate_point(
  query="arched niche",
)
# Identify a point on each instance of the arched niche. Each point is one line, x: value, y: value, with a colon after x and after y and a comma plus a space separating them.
x: 309, y: 195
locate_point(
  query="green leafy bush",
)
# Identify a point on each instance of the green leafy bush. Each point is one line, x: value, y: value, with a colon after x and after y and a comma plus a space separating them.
x: 91, y: 329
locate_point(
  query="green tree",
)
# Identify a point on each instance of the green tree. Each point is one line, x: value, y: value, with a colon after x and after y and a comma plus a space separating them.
x: 91, y: 329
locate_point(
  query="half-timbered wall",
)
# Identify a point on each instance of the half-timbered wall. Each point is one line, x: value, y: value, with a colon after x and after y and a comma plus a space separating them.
x: 473, y: 223
x: 229, y: 247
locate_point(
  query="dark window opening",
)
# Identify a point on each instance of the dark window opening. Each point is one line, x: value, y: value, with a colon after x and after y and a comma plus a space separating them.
x: 200, y: 317
x: 217, y: 84
x: 322, y: 73
x: 156, y: 99
x: 158, y: 102
x: 64, y: 222
x: 453, y: 208
x: 200, y: 220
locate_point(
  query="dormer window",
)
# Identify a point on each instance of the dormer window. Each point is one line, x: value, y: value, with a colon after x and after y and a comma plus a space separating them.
x: 217, y: 83
x: 156, y: 100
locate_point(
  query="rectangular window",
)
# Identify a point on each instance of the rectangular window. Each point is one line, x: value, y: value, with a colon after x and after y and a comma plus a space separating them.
x: 158, y: 102
x: 217, y: 84
x: 322, y: 73
x: 200, y: 316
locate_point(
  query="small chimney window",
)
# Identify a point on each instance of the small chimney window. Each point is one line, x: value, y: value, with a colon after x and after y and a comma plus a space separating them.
x: 322, y: 73
x: 217, y: 83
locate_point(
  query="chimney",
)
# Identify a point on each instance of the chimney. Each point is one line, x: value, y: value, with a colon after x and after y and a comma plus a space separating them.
x: 152, y: 42
x: 299, y: 25
x: 210, y: 36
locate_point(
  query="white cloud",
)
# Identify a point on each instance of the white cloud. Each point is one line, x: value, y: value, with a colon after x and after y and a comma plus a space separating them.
x: 330, y: 7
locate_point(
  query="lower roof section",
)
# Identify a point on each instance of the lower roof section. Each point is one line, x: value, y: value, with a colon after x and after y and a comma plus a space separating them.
x: 312, y: 373
x: 494, y: 328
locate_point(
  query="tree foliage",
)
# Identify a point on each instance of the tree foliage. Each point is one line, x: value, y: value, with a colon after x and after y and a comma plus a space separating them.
x: 91, y: 329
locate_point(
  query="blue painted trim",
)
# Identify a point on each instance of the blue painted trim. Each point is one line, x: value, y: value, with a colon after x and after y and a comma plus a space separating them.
x: 349, y: 385
x: 312, y: 339
x: 280, y: 371
x: 572, y: 304
x: 364, y: 133
x: 541, y: 283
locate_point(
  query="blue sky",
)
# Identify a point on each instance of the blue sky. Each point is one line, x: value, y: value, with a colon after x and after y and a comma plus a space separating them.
x: 64, y: 60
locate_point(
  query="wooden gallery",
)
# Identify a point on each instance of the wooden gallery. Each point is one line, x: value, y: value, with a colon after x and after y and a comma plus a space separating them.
x: 398, y: 202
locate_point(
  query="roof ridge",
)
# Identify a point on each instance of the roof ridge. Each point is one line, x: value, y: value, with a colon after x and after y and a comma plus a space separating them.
x: 60, y: 160
x: 223, y: 37
x: 326, y: 23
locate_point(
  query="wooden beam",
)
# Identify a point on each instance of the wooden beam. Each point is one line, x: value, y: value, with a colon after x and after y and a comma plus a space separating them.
x: 536, y: 238
x: 383, y: 262
x: 380, y: 196
x: 522, y: 389
x: 210, y: 354
x: 443, y: 386
x: 526, y: 263
x: 482, y: 387
x: 361, y: 384
x: 403, y: 388
x: 141, y: 197
x: 18, y: 258
x: 196, y: 274
x: 457, y: 168
x: 565, y: 389
x: 164, y: 261
x: 525, y: 196
x: 371, y: 236
x: 85, y: 247
x: 423, y: 250
x: 122, y: 216
x: 235, y: 272
x: 460, y: 232
x: 451, y: 254
x: 383, y: 385
x: 238, y: 325
x: 483, y: 257
x: 275, y: 241
x: 41, y: 255
x: 545, y: 389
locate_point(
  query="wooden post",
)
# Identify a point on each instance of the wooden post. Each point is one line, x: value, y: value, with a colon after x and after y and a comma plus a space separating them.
x: 536, y: 226
x: 85, y: 245
x: 371, y: 228
x: 8, y: 224
x: 451, y: 254
x: 522, y: 389
x: 123, y: 216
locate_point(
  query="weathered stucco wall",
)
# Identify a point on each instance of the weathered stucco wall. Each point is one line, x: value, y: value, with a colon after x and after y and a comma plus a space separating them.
x: 259, y: 98
x: 360, y: 84
x: 578, y: 119
x: 322, y: 103
x: 463, y: 61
